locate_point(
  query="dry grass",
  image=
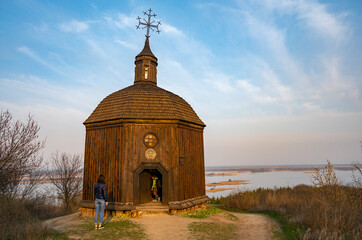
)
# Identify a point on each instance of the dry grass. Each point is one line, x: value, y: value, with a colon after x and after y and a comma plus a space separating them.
x: 328, y: 212
x: 20, y: 219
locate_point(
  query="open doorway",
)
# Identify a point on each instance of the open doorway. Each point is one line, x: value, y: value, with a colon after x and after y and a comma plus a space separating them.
x: 148, y: 179
x: 142, y: 183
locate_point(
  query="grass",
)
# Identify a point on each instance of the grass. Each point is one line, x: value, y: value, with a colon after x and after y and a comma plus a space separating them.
x: 20, y: 219
x: 124, y: 229
x: 231, y: 217
x: 210, y: 231
x: 203, y: 213
x: 305, y: 212
x: 54, y: 235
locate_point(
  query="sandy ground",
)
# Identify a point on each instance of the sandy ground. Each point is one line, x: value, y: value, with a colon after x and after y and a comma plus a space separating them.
x: 250, y: 226
x: 219, y: 189
x: 174, y: 227
x: 234, y: 182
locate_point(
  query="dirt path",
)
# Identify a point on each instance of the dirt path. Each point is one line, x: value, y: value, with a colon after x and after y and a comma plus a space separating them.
x: 255, y: 226
x: 174, y: 227
x: 165, y: 226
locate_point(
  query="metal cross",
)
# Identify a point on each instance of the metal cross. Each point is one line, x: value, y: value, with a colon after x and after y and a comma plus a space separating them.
x: 148, y: 24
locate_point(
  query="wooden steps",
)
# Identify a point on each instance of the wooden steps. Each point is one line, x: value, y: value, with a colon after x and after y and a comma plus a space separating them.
x: 152, y: 208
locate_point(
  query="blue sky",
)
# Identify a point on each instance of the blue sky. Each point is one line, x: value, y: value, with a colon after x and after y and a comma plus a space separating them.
x: 275, y: 81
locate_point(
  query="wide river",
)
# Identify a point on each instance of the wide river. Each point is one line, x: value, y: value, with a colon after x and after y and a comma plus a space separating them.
x: 267, y: 180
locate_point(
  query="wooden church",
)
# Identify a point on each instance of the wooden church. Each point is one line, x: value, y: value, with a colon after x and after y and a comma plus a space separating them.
x: 140, y: 132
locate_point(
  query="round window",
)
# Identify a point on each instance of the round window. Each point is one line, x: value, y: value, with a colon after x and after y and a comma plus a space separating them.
x: 150, y: 140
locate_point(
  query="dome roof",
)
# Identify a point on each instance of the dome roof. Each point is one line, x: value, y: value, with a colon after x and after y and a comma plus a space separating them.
x: 144, y: 101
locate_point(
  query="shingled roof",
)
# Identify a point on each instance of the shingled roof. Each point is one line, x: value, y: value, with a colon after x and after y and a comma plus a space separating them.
x: 144, y: 101
x: 146, y: 51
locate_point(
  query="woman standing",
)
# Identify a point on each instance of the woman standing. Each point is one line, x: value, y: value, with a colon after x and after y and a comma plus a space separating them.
x: 101, y: 201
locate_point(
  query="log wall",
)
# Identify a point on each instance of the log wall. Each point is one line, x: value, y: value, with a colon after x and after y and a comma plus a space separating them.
x: 117, y: 150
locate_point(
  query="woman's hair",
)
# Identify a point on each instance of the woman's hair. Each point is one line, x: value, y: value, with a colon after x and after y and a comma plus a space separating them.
x: 101, y: 179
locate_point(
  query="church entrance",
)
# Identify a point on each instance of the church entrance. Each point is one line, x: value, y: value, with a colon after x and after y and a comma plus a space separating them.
x: 150, y: 178
x: 143, y: 183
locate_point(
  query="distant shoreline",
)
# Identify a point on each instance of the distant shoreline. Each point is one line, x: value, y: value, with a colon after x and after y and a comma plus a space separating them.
x: 275, y: 168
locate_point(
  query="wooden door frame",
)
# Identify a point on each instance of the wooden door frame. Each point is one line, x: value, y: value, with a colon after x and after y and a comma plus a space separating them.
x: 136, y: 180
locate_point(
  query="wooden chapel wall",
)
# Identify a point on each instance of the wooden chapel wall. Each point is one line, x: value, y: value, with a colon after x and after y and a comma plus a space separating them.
x: 133, y: 154
x: 117, y: 151
x: 192, y: 174
x: 102, y: 156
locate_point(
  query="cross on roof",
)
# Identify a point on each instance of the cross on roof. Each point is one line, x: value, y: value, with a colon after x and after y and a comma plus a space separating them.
x: 147, y: 23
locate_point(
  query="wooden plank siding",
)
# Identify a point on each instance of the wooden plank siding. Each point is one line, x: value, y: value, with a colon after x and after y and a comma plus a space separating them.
x: 118, y: 150
x: 101, y: 156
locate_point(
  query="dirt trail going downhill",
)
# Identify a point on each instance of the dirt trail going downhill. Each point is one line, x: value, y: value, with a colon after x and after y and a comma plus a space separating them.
x: 164, y: 226
x: 255, y: 226
x: 175, y: 227
x: 222, y: 225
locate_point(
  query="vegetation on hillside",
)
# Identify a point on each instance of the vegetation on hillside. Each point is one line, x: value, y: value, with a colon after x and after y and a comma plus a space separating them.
x: 327, y: 210
x: 22, y: 206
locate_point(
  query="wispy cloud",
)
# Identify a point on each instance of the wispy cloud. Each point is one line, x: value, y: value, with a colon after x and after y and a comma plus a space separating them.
x: 315, y: 15
x: 336, y: 84
x: 74, y: 26
x: 25, y: 50
x: 168, y: 29
x: 126, y: 44
x: 121, y: 21
x: 219, y: 81
x: 34, y: 90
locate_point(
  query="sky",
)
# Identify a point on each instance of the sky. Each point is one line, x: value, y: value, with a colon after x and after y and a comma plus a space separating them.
x: 277, y: 82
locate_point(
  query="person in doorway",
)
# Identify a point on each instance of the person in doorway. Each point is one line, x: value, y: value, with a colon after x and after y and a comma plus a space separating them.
x: 154, y: 188
x: 101, y: 201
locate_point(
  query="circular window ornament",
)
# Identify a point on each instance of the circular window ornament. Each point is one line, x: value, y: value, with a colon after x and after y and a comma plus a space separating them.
x: 150, y: 140
x: 150, y: 154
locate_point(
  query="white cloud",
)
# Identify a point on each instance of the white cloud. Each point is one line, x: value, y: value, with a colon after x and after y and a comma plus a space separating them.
x: 122, y: 21
x: 127, y: 44
x: 25, y: 50
x: 74, y: 26
x: 244, y: 84
x: 336, y: 84
x: 274, y: 39
x: 168, y: 29
x: 61, y: 127
x: 315, y: 15
x: 33, y: 88
x: 219, y: 81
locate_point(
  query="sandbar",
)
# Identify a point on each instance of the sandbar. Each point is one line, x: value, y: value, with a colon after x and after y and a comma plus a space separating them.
x: 234, y: 182
x: 219, y: 189
x: 219, y: 174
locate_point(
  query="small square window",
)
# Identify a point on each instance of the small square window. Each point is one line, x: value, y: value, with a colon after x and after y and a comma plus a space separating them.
x: 182, y: 161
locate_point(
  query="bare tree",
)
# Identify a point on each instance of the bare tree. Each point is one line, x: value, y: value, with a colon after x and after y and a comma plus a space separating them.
x: 357, y: 178
x: 326, y: 176
x: 19, y: 154
x: 65, y: 173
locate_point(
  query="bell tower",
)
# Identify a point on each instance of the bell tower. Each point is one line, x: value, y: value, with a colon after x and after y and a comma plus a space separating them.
x: 146, y: 62
x: 146, y: 66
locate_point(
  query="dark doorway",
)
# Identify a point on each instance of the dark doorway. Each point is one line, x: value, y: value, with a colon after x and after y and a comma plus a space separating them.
x: 142, y: 182
x: 146, y: 182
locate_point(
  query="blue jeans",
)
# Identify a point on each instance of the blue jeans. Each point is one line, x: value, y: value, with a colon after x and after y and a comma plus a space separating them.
x: 100, y: 206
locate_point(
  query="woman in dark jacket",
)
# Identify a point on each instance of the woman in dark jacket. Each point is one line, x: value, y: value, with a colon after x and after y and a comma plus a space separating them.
x: 101, y: 201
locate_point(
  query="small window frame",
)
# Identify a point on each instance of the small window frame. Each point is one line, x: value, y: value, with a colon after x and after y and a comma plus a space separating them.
x: 146, y: 143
